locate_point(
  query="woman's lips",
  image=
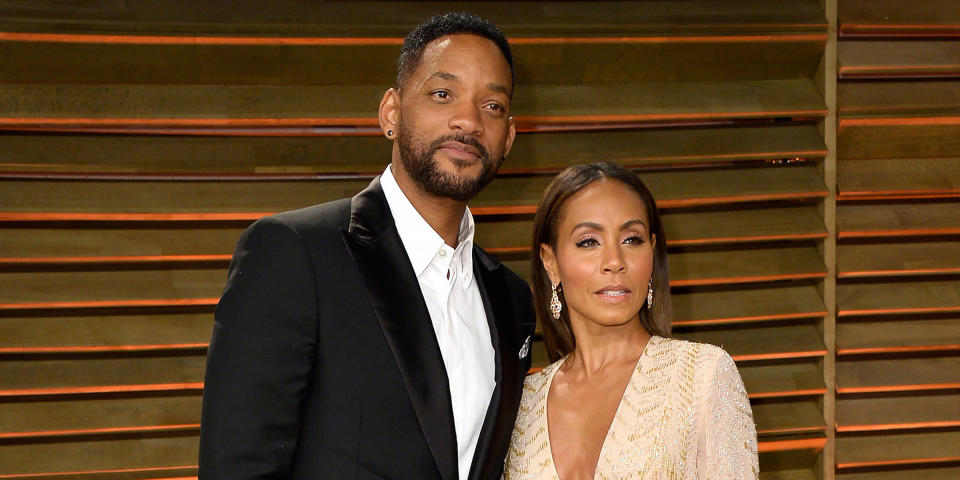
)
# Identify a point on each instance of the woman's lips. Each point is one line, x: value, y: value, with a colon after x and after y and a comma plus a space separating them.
x: 614, y: 293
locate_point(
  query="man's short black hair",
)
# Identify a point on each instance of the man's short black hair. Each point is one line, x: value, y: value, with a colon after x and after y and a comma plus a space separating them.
x: 440, y: 26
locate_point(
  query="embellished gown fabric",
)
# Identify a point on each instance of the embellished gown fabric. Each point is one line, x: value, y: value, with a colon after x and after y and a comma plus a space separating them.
x: 684, y: 415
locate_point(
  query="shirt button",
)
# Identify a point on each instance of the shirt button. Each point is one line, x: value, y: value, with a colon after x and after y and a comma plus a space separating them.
x: 443, y: 253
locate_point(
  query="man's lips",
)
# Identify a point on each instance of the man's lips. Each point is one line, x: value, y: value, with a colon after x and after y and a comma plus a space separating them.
x: 460, y: 150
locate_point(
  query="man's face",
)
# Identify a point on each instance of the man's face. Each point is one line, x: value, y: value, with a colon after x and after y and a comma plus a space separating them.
x: 453, y: 124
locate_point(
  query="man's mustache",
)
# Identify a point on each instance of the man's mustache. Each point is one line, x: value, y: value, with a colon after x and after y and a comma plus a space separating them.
x: 461, y: 138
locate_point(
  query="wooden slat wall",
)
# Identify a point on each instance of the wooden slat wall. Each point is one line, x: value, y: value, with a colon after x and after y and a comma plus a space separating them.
x: 138, y: 139
x: 898, y: 174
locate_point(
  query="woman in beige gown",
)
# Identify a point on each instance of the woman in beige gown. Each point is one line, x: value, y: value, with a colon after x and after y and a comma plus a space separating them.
x: 622, y: 400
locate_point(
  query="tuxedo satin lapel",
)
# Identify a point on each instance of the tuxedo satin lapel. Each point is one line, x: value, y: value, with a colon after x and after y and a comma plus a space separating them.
x: 497, y: 424
x: 395, y: 295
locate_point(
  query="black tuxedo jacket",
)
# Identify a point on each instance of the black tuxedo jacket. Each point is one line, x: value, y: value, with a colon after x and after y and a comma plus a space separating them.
x: 324, y: 362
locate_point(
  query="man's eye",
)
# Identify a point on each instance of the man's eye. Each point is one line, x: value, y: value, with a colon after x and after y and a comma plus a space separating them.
x: 440, y: 94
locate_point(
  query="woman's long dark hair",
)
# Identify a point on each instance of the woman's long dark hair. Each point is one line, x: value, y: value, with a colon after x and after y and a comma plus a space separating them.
x: 558, y: 334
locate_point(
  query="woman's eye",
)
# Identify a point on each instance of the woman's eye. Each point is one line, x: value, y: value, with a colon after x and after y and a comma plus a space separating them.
x: 588, y: 242
x: 633, y: 240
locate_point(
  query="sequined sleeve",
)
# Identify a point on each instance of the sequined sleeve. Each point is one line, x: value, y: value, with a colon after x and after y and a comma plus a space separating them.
x: 728, y: 439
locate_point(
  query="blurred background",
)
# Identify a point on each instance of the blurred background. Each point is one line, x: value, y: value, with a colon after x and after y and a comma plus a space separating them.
x: 805, y: 153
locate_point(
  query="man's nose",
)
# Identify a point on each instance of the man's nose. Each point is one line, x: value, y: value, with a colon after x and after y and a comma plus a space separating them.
x: 467, y: 119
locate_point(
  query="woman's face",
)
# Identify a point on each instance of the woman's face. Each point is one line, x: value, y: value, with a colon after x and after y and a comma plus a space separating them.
x: 604, y: 254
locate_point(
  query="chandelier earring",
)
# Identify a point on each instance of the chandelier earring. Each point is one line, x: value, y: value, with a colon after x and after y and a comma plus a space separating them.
x: 555, y: 306
x: 650, y: 294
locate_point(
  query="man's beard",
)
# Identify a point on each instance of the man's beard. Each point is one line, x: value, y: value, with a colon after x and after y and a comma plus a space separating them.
x: 419, y: 162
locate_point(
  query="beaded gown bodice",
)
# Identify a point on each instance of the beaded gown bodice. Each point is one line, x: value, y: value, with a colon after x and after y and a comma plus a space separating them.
x: 684, y: 415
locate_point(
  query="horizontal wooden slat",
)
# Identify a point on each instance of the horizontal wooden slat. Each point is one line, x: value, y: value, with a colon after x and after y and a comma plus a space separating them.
x: 918, y: 472
x: 174, y: 453
x: 788, y: 302
x: 762, y: 341
x: 380, y: 18
x: 894, y: 18
x: 897, y: 374
x: 858, y: 451
x: 926, y: 177
x: 186, y: 472
x: 119, y: 240
x: 798, y: 416
x: 872, y: 260
x: 305, y: 61
x: 745, y: 266
x: 897, y: 413
x: 78, y: 286
x: 105, y: 331
x: 22, y: 376
x: 672, y: 189
x: 787, y: 475
x: 31, y: 421
x: 370, y: 154
x: 892, y: 59
x: 253, y: 109
x: 896, y: 334
x: 902, y: 137
x: 860, y: 299
x: 898, y: 98
x: 782, y: 379
x: 883, y: 220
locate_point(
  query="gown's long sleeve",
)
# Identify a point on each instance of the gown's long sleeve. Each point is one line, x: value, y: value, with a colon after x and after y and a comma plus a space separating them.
x: 728, y: 440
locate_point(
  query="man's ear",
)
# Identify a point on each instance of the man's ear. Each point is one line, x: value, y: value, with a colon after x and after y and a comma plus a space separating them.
x: 549, y: 260
x: 388, y: 112
x: 511, y: 134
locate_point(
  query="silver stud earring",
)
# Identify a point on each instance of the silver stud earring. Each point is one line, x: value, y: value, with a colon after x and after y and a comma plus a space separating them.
x: 555, y: 306
x: 650, y: 294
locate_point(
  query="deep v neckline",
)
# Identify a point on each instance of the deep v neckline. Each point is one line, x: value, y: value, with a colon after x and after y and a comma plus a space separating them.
x: 616, y: 414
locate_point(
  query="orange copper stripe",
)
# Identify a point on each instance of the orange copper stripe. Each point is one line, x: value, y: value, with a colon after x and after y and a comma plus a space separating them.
x: 99, y: 472
x: 900, y: 388
x: 780, y: 431
x: 746, y: 279
x: 170, y: 302
x: 898, y: 349
x: 912, y: 196
x: 898, y: 273
x: 159, y: 387
x: 102, y: 348
x: 755, y: 318
x: 898, y: 426
x: 898, y: 233
x: 748, y: 238
x: 351, y: 41
x: 784, y: 445
x: 895, y: 311
x: 789, y: 393
x: 779, y: 355
x: 898, y: 121
x: 126, y: 259
x: 128, y: 217
x: 890, y: 463
x: 98, y: 431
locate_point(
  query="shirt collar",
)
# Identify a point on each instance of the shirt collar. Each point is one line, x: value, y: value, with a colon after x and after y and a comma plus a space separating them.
x: 419, y: 239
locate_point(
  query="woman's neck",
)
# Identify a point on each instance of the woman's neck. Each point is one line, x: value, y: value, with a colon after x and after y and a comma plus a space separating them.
x: 601, y: 346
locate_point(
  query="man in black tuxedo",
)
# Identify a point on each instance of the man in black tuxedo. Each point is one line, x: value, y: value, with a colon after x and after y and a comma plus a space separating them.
x: 368, y: 338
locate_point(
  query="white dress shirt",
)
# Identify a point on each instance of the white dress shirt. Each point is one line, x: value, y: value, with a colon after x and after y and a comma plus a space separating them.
x: 456, y: 311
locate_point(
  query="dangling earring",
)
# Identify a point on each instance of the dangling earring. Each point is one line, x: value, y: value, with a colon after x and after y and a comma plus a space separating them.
x: 555, y: 306
x: 650, y: 294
